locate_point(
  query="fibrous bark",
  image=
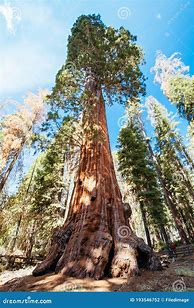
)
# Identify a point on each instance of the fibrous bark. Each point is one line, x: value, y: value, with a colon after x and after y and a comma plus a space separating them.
x: 96, y: 238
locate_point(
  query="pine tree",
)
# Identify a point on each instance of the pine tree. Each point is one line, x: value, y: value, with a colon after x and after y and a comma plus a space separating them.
x: 17, y: 130
x: 49, y: 182
x: 137, y: 168
x: 42, y: 198
x: 176, y: 83
x: 175, y: 173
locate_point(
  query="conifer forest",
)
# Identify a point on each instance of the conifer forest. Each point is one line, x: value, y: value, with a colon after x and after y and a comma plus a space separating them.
x: 97, y: 165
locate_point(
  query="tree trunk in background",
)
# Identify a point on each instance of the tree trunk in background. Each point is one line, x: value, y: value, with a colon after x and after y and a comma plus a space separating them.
x: 164, y: 234
x: 187, y: 156
x: 4, y: 176
x: 96, y: 240
x: 31, y: 240
x: 183, y: 173
x: 187, y: 225
x: 145, y: 224
x: 168, y: 198
x: 16, y: 234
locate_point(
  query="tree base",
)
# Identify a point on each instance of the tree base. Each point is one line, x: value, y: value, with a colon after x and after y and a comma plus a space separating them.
x: 96, y: 255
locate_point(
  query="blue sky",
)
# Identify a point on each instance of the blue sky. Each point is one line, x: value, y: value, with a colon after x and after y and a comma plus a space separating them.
x: 33, y: 40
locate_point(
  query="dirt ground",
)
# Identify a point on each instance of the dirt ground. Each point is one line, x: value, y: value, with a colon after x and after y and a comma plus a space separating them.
x: 179, y: 276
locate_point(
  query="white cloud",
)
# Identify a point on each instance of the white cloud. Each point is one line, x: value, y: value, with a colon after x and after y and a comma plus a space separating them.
x: 31, y: 59
x: 11, y: 14
x: 28, y: 67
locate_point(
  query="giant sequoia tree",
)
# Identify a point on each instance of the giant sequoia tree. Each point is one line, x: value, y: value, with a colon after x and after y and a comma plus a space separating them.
x: 96, y: 239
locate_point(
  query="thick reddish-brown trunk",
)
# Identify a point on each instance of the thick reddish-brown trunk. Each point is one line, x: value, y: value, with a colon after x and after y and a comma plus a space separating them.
x: 96, y: 238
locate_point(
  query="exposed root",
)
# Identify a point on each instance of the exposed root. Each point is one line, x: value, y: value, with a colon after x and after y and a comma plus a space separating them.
x: 147, y: 258
x: 59, y: 240
x: 125, y: 261
x: 90, y: 257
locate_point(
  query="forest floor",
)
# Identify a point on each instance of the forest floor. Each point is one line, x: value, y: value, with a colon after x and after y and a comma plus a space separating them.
x: 179, y: 276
